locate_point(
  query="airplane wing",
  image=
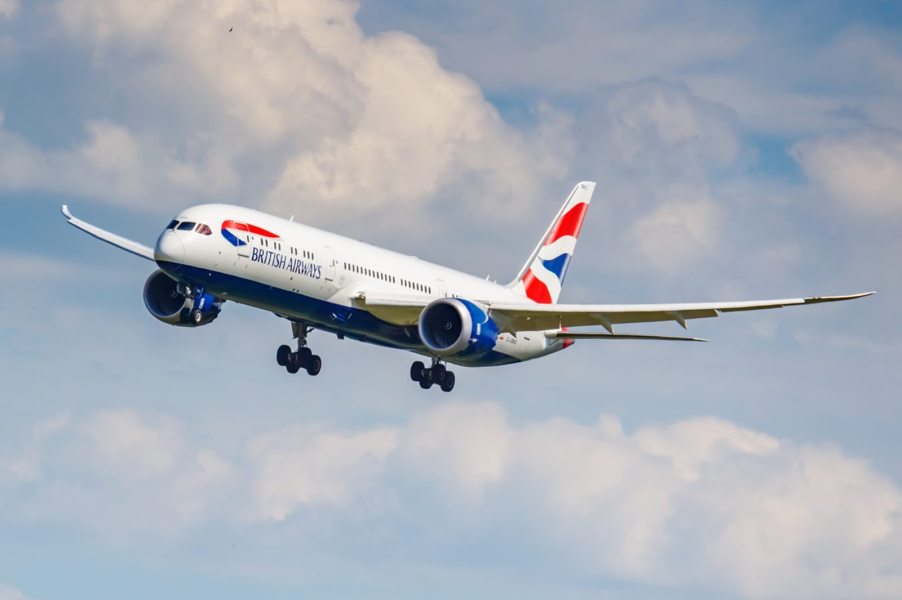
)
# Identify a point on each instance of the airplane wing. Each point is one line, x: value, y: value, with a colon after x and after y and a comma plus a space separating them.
x: 110, y: 238
x: 532, y: 317
x: 392, y: 308
x: 405, y: 310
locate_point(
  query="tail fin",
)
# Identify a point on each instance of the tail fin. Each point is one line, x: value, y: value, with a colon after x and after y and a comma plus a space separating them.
x: 542, y: 275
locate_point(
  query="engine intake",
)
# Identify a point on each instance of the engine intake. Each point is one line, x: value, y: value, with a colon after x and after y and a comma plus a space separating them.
x: 166, y: 301
x: 452, y: 326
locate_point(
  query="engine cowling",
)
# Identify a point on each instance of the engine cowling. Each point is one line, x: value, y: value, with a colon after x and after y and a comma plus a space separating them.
x: 166, y: 300
x: 453, y: 326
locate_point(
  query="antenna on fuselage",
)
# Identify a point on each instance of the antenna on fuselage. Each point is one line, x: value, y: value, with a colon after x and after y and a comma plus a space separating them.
x: 291, y: 219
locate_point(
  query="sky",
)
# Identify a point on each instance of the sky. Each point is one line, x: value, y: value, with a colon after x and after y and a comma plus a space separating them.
x: 742, y: 150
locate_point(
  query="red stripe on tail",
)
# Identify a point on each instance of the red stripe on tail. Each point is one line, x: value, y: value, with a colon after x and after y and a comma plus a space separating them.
x: 535, y: 289
x: 570, y: 223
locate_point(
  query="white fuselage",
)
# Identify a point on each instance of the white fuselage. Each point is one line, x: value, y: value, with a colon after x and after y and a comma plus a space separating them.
x: 318, y: 278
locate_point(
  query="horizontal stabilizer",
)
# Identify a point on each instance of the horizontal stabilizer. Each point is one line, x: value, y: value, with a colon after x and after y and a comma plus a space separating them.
x: 581, y: 335
x: 110, y: 238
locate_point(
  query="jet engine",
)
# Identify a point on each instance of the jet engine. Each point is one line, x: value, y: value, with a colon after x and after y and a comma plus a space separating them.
x: 171, y: 302
x: 453, y: 326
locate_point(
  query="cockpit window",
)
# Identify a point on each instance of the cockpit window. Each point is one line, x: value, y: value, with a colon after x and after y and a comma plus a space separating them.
x: 172, y: 224
x: 186, y: 226
x: 203, y: 229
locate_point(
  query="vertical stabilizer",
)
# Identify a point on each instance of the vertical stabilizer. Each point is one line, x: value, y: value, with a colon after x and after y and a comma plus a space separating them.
x: 543, y: 274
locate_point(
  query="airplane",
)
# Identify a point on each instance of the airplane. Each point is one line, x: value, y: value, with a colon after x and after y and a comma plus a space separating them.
x: 317, y: 280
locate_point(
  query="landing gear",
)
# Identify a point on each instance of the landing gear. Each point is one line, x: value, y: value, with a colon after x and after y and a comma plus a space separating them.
x: 448, y: 382
x: 304, y: 358
x: 437, y: 374
x: 416, y: 371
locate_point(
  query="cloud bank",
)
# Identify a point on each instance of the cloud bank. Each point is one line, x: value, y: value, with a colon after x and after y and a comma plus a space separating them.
x: 699, y: 501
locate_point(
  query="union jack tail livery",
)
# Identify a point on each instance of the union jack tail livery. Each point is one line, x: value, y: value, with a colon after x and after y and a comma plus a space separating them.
x: 543, y: 274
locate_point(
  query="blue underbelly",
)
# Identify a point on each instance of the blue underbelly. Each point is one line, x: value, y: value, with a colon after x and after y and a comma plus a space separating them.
x: 350, y: 322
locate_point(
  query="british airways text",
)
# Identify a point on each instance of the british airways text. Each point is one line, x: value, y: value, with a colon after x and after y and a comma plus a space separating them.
x: 280, y: 261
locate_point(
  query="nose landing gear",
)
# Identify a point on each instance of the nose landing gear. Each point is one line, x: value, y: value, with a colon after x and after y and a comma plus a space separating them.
x: 438, y: 374
x: 304, y: 358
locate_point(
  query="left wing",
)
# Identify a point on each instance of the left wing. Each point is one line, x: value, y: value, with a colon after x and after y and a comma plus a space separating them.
x: 110, y: 238
x: 405, y: 310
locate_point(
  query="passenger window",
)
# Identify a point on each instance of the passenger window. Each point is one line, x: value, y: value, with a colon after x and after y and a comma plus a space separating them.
x: 186, y: 226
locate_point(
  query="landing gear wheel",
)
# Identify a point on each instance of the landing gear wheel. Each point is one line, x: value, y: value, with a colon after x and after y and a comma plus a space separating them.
x: 304, y: 356
x: 437, y: 373
x: 448, y: 382
x: 197, y: 316
x: 425, y: 383
x: 283, y: 355
x: 293, y: 367
x: 416, y: 371
x: 314, y: 365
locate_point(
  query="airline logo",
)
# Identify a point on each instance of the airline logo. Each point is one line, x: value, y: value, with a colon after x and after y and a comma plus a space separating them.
x: 542, y: 282
x: 228, y: 227
x: 270, y: 258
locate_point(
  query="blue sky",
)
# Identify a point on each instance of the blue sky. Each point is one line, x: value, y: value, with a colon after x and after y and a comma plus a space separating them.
x: 742, y: 150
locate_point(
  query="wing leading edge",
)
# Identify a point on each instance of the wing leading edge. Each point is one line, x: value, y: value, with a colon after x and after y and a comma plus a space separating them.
x: 110, y: 238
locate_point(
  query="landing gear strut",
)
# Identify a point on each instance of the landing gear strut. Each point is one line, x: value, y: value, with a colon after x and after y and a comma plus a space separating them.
x: 304, y: 358
x: 437, y: 374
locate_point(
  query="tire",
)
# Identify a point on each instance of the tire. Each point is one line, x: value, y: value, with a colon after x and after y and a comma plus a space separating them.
x: 448, y: 383
x: 416, y: 371
x: 425, y: 383
x: 283, y: 355
x: 437, y: 373
x: 304, y: 356
x: 314, y: 365
x: 293, y: 367
x: 197, y: 316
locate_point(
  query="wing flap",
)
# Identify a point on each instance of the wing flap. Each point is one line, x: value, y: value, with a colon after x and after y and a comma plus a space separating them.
x: 108, y: 237
x: 397, y: 309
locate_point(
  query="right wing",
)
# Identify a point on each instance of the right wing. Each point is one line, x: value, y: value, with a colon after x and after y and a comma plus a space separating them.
x: 552, y: 318
x: 532, y: 317
x: 110, y: 238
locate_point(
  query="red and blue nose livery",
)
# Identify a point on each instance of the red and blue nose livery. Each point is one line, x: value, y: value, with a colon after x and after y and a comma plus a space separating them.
x: 228, y: 227
x: 543, y: 279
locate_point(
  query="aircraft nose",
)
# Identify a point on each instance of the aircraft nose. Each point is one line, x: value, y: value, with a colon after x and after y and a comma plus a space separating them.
x: 169, y: 248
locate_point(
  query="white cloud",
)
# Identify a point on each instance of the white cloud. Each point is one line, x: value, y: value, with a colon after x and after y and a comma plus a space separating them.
x: 307, y: 466
x: 132, y: 445
x: 8, y: 592
x: 110, y: 163
x: 9, y: 8
x: 699, y: 502
x: 27, y: 465
x: 655, y: 119
x: 468, y: 444
x: 678, y: 232
x: 295, y: 108
x: 862, y: 170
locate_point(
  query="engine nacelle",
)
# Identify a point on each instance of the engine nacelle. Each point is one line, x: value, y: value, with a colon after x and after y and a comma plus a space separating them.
x: 452, y: 326
x: 167, y: 301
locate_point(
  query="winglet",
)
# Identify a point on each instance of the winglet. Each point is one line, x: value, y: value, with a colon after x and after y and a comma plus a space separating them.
x: 819, y: 299
x: 106, y: 236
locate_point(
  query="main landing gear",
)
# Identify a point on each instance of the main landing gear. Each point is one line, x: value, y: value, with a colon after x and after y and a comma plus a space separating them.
x: 437, y: 374
x: 304, y: 358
